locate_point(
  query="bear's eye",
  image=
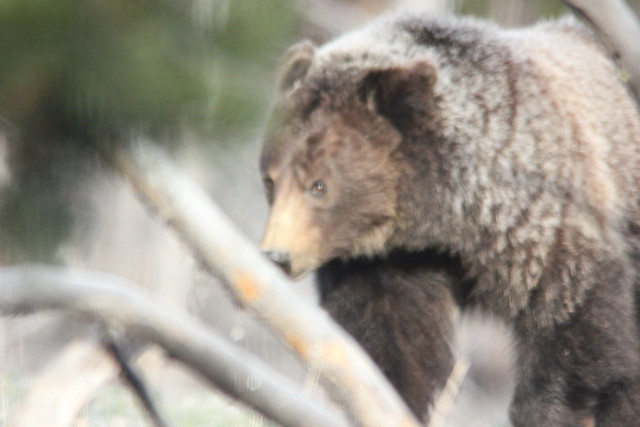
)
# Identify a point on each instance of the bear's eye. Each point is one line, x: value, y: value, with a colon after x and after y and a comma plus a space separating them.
x: 268, y: 187
x: 318, y: 188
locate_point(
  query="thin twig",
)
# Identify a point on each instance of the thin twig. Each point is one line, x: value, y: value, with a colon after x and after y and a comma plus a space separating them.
x: 134, y: 379
x: 445, y: 401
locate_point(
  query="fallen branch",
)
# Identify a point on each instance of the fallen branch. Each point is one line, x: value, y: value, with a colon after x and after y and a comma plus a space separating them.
x: 117, y: 304
x: 620, y: 30
x: 345, y: 370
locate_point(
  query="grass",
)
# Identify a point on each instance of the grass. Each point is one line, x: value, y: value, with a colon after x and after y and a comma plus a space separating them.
x: 115, y: 406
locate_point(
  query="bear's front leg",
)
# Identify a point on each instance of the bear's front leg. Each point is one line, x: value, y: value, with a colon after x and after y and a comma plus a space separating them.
x: 584, y: 371
x: 400, y: 310
x: 547, y: 391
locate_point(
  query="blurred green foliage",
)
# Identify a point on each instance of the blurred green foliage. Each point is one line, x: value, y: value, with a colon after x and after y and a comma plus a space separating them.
x: 77, y: 76
x: 89, y: 69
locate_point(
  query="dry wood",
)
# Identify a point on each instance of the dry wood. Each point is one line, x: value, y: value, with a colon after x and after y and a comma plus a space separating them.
x: 118, y: 305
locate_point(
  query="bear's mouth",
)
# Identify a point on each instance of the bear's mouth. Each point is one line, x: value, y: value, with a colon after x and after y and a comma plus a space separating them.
x: 299, y: 275
x: 283, y: 260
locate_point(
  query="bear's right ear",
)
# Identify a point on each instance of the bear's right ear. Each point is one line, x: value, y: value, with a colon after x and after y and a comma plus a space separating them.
x: 401, y: 93
x: 294, y: 64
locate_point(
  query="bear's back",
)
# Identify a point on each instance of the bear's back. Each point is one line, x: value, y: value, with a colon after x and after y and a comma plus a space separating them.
x: 602, y: 116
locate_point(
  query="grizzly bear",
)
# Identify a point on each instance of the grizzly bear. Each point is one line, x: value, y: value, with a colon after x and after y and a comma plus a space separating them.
x: 425, y: 163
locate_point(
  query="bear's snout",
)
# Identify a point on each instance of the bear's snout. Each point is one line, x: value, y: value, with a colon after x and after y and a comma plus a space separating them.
x: 281, y: 259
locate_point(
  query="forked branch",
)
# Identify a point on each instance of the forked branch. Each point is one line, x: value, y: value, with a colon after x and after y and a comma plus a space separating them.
x: 118, y: 305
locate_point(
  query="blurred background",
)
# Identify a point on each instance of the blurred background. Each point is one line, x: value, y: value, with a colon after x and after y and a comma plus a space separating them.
x: 196, y: 76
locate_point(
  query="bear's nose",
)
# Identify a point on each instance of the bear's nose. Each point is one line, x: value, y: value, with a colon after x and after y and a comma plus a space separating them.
x: 281, y: 259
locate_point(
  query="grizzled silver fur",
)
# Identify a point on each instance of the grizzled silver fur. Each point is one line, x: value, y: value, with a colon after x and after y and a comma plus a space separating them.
x: 544, y: 137
x: 515, y: 151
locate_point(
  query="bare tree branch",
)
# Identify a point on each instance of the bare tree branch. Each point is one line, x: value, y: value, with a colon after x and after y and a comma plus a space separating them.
x: 347, y: 372
x: 133, y: 378
x: 117, y: 304
x: 620, y: 29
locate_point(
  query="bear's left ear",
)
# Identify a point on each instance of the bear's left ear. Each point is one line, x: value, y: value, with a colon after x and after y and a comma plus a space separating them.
x: 295, y: 64
x: 400, y: 93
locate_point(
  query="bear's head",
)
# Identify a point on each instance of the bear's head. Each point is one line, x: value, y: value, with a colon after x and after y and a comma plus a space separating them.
x: 331, y: 162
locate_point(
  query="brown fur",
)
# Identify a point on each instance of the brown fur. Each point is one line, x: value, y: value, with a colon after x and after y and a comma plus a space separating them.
x: 516, y: 151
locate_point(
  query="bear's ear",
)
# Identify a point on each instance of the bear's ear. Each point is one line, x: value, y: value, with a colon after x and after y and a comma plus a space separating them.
x: 400, y: 93
x: 294, y: 64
